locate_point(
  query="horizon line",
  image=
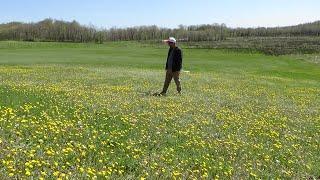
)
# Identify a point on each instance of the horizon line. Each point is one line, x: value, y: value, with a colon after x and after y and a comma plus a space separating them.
x: 148, y: 25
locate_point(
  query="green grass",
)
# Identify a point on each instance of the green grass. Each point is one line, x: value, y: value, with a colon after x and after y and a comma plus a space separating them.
x: 266, y: 45
x: 85, y: 111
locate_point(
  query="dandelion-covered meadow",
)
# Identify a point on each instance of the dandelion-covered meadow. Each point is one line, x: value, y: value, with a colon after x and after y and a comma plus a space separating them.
x: 85, y: 111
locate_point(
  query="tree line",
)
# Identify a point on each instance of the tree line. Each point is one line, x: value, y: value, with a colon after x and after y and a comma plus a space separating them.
x: 64, y: 31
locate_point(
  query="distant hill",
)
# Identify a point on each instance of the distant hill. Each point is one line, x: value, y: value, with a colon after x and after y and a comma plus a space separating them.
x: 302, y: 38
x: 57, y: 30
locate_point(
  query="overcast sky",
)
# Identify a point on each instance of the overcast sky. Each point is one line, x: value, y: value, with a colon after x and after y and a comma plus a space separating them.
x: 164, y: 13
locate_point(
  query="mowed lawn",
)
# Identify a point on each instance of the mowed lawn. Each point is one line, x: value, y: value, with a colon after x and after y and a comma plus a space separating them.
x: 85, y: 111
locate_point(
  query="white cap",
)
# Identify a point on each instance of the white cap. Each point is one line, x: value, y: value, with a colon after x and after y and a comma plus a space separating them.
x: 171, y: 39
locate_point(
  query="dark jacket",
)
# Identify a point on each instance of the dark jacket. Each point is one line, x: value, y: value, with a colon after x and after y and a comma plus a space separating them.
x: 177, y: 59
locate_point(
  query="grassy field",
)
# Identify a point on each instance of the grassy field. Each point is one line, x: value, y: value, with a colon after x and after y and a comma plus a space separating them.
x: 77, y: 111
x: 266, y: 45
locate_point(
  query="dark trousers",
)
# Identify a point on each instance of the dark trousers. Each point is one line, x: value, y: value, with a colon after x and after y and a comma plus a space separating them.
x: 169, y: 76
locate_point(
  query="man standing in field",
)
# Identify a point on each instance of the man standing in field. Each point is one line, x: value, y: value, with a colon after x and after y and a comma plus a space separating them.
x: 173, y: 66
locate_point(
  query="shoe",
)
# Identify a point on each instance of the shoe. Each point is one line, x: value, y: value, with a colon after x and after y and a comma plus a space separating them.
x: 162, y: 94
x: 159, y: 94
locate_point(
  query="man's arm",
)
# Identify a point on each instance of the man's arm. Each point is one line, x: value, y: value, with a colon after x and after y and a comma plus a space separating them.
x: 168, y: 59
x: 180, y: 55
